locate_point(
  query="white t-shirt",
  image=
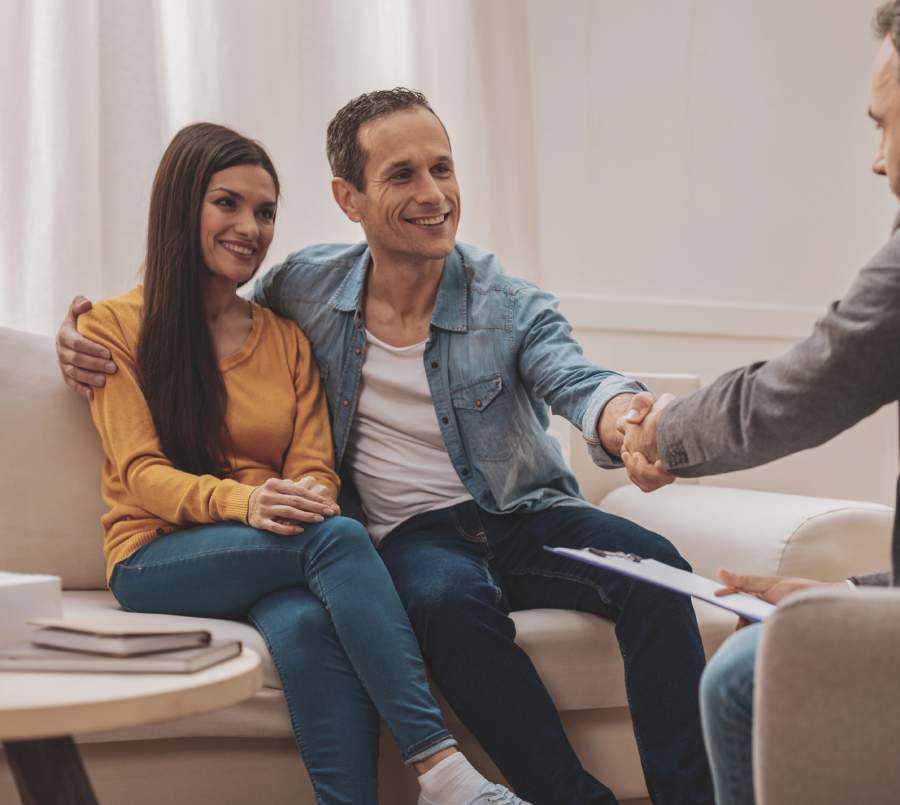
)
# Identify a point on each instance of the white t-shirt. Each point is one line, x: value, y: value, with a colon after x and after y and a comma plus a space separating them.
x: 396, y: 454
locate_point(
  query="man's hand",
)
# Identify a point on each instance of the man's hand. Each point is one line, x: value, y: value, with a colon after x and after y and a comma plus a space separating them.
x: 639, y: 451
x: 83, y: 363
x: 609, y: 430
x: 773, y: 589
x: 280, y: 506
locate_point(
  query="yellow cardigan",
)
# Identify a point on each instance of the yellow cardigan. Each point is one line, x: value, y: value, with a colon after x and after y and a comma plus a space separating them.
x: 277, y: 418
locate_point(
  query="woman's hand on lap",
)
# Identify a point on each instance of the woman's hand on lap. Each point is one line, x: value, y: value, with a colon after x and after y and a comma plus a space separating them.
x: 280, y: 506
x: 317, y: 491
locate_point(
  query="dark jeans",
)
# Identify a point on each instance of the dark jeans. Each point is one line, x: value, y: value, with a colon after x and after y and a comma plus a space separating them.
x: 333, y: 624
x: 460, y: 571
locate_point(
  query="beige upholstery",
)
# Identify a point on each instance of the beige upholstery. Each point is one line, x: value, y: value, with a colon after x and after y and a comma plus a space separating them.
x: 51, y: 509
x: 49, y: 488
x: 827, y: 715
x: 763, y: 532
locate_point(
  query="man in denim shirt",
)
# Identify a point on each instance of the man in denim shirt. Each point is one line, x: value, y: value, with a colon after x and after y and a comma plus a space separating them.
x: 439, y: 371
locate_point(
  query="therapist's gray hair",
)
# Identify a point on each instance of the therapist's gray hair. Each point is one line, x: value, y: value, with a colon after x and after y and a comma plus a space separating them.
x: 887, y: 22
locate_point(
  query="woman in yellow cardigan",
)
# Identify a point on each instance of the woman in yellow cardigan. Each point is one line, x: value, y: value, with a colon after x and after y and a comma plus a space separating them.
x: 221, y: 487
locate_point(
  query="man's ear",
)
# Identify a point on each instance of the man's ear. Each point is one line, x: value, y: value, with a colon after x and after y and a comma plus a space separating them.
x: 345, y: 195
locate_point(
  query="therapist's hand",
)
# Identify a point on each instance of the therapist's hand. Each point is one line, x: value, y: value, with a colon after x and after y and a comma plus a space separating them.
x: 639, y: 451
x: 772, y: 589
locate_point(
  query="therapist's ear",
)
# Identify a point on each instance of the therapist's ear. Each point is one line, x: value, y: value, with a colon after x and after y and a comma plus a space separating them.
x: 345, y: 194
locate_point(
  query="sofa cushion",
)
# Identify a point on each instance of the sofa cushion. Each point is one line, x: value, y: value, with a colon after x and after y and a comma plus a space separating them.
x: 576, y: 654
x: 50, y: 486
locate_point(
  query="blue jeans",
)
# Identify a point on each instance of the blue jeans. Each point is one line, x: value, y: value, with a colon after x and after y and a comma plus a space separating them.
x: 726, y: 702
x: 460, y: 571
x: 334, y: 625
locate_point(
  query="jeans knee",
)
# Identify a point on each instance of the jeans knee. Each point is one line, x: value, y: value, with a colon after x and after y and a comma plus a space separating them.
x: 726, y: 686
x: 664, y: 551
x: 293, y: 614
x: 345, y: 533
x: 438, y: 602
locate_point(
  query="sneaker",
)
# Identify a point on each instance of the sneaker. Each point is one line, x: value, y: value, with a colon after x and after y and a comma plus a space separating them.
x: 488, y: 794
x: 494, y: 794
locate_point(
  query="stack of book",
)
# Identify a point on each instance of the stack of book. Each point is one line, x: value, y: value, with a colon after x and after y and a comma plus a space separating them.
x: 101, y: 645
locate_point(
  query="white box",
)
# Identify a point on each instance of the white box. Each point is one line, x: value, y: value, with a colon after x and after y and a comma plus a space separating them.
x: 24, y: 596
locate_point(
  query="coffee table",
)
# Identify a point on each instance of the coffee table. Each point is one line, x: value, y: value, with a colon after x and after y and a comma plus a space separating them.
x: 40, y: 712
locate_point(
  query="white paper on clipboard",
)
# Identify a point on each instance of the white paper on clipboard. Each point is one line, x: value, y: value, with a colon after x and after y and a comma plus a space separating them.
x: 649, y: 570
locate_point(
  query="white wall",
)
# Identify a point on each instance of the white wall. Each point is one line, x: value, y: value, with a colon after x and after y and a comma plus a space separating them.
x: 704, y: 190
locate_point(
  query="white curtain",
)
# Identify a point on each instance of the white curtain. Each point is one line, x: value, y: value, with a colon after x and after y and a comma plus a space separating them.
x: 92, y: 91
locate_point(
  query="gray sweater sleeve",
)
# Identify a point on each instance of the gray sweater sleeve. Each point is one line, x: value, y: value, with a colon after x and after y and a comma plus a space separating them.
x: 845, y: 370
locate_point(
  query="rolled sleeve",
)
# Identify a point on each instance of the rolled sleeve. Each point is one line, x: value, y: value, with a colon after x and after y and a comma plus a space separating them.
x: 611, y: 387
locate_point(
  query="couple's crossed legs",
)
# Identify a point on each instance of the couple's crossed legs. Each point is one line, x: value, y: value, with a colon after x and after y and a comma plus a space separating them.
x: 333, y: 624
x: 459, y: 571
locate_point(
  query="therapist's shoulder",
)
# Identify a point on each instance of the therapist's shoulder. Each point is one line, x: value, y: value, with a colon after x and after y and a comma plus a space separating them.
x: 888, y: 256
x: 874, y: 295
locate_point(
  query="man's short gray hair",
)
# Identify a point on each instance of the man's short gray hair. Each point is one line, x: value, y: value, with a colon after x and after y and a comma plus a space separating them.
x: 345, y: 155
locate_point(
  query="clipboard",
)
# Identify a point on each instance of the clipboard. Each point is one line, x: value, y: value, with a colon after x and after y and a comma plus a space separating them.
x: 672, y: 578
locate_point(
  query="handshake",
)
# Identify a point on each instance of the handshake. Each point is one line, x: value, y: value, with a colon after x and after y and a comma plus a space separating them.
x: 637, y: 428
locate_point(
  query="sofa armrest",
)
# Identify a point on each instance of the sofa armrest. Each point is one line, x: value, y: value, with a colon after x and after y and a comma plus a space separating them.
x: 762, y: 532
x: 827, y: 713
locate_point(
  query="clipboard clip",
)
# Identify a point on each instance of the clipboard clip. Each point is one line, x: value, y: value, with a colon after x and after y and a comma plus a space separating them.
x: 631, y: 557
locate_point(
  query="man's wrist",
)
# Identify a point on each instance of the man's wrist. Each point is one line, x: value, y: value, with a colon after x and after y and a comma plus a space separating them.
x: 607, y: 430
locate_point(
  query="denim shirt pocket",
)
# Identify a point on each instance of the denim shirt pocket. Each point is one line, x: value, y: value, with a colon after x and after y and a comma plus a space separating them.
x: 482, y: 412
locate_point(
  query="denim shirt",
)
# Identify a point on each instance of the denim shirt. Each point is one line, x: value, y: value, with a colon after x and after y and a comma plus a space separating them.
x: 498, y: 355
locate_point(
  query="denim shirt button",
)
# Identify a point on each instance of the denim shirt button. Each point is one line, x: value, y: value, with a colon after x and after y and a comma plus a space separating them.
x: 434, y: 364
x: 357, y: 351
x: 478, y: 403
x: 464, y: 471
x: 345, y: 403
x: 445, y: 420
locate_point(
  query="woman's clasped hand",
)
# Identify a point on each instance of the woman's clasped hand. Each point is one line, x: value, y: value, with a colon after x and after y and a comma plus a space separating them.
x: 280, y: 505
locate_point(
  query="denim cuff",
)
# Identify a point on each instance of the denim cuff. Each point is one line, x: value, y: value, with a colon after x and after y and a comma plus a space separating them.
x: 424, y: 754
x: 613, y: 386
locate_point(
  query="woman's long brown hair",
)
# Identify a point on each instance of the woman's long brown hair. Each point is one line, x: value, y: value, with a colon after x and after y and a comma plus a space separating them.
x: 176, y: 360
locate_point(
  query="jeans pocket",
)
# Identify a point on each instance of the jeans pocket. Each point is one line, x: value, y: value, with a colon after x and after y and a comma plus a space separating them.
x: 467, y: 523
x: 484, y: 414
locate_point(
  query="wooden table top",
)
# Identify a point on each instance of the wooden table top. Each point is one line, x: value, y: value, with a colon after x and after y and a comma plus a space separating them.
x: 42, y: 705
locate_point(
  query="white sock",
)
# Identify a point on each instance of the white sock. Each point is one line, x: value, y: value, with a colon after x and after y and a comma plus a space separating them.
x: 453, y: 781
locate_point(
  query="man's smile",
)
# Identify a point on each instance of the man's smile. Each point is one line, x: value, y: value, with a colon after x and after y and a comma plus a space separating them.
x: 434, y: 220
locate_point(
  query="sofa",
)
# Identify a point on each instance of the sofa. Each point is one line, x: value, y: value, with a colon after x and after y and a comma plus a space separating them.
x: 49, y: 492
